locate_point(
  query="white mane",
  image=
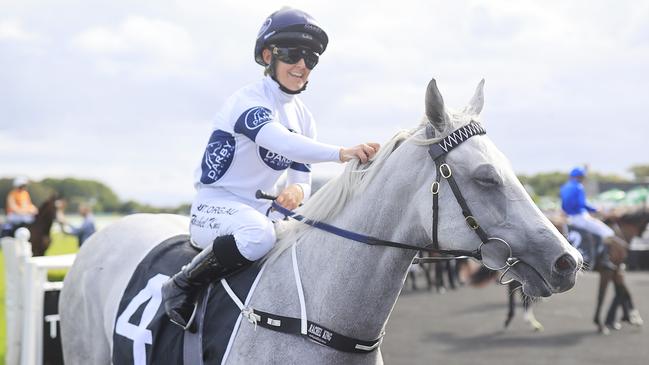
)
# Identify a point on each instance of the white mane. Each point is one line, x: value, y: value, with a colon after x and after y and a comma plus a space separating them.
x: 332, y: 197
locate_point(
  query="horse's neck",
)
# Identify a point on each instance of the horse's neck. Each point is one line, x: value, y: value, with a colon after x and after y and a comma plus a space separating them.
x: 353, y: 285
x: 45, y: 216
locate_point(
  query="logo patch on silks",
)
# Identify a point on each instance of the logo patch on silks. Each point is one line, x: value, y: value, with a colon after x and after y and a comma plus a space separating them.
x: 274, y: 160
x: 256, y: 117
x: 217, y: 157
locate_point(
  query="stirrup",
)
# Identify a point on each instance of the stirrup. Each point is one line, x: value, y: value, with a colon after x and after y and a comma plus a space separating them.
x: 190, y: 323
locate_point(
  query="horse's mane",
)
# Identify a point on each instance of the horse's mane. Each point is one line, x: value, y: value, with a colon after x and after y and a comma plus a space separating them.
x: 332, y: 197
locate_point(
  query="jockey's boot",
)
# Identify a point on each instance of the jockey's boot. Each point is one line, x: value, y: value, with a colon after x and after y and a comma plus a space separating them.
x: 179, y: 293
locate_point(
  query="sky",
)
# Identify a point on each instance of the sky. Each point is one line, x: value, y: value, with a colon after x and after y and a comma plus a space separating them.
x: 124, y: 91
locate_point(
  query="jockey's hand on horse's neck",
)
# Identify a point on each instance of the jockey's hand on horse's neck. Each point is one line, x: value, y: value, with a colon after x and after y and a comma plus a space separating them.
x: 291, y: 197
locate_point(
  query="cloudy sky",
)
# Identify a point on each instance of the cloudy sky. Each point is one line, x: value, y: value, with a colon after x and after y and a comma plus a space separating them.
x: 124, y: 91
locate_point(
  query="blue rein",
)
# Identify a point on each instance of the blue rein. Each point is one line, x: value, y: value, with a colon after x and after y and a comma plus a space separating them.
x: 369, y: 240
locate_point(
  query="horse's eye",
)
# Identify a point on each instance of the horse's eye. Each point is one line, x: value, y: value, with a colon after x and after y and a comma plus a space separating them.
x: 487, y: 181
x: 487, y: 176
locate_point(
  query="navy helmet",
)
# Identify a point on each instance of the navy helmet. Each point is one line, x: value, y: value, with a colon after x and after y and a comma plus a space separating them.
x: 290, y: 27
x: 578, y: 172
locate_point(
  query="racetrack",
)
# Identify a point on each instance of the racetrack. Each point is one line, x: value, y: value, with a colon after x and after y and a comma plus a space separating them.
x: 465, y: 326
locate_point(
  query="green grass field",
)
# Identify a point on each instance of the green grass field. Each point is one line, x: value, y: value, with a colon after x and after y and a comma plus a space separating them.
x: 61, y: 244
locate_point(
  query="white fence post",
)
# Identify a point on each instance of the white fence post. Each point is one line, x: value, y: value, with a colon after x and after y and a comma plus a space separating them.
x: 15, y: 253
x: 26, y: 284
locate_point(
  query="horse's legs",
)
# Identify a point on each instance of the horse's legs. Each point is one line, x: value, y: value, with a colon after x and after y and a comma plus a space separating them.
x: 439, y: 277
x: 450, y: 271
x: 629, y: 313
x: 529, y: 313
x: 427, y: 269
x: 413, y: 279
x: 605, y: 277
x: 612, y: 311
x: 460, y: 265
x: 511, y: 288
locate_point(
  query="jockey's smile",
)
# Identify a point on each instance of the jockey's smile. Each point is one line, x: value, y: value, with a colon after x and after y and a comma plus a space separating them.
x: 291, y: 76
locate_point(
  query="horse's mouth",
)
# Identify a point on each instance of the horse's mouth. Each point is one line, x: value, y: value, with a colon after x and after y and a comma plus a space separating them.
x: 534, y: 284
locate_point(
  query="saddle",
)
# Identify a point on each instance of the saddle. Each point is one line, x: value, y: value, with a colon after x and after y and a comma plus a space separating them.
x: 8, y: 229
x: 144, y: 335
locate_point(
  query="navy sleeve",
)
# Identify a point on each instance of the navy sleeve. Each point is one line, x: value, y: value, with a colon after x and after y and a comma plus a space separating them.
x: 251, y: 121
x: 304, y: 167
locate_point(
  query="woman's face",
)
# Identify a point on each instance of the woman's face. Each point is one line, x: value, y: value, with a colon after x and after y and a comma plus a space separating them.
x: 292, y: 77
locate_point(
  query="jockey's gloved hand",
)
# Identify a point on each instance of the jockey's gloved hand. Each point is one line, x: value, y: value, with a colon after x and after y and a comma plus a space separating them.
x: 291, y: 197
x: 364, y: 152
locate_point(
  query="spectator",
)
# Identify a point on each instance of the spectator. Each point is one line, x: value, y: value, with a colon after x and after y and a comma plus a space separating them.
x: 87, y: 227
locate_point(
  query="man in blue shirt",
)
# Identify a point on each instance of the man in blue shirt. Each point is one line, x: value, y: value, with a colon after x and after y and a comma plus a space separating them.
x: 87, y: 227
x: 573, y: 203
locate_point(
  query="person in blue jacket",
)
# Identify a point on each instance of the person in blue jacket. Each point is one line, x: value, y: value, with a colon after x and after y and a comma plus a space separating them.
x: 574, y: 204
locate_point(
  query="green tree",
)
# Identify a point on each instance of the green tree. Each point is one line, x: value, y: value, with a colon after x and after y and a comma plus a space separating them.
x: 640, y: 172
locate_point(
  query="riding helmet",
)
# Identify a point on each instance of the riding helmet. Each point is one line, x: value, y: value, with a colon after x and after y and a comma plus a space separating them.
x: 290, y: 27
x: 20, y: 181
x: 578, y: 172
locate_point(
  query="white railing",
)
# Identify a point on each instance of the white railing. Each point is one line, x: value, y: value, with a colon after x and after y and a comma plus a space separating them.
x: 26, y: 278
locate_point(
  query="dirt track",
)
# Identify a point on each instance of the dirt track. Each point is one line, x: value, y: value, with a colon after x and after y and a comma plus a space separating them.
x: 466, y: 327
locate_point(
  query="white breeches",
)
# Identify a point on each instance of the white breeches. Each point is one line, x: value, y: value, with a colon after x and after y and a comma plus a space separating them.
x: 214, y: 215
x: 586, y: 222
x: 15, y: 218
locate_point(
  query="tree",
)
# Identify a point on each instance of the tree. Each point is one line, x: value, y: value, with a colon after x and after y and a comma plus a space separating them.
x: 640, y: 172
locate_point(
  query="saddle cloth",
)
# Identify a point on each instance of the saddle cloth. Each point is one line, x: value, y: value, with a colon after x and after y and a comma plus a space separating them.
x: 590, y: 246
x: 143, y: 334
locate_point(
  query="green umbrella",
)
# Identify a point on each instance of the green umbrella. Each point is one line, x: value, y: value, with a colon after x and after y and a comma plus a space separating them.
x: 613, y: 195
x: 637, y: 195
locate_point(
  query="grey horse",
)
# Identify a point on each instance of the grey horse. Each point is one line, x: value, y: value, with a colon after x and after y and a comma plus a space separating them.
x: 348, y: 287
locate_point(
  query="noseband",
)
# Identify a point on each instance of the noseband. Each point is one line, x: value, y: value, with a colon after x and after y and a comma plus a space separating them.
x: 437, y: 152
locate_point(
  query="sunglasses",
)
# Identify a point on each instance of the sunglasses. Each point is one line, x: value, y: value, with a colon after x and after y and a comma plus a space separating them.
x: 293, y: 55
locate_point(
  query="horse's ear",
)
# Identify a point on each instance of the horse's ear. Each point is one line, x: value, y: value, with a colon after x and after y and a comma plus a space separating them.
x: 435, y: 111
x: 477, y: 101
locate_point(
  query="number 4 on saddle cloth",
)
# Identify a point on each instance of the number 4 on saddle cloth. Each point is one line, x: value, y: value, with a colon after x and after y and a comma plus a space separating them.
x: 143, y: 333
x: 592, y: 248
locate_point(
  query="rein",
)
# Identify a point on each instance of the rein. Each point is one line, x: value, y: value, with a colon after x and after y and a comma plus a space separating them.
x: 372, y: 241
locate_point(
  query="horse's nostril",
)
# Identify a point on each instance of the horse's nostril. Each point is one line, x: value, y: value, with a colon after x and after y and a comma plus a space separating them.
x: 565, y: 264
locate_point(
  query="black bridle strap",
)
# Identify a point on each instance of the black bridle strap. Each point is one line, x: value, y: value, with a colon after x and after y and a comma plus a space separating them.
x: 437, y: 152
x: 435, y: 191
x: 466, y: 211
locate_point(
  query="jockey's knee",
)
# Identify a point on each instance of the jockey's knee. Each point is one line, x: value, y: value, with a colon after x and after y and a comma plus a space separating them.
x: 255, y: 242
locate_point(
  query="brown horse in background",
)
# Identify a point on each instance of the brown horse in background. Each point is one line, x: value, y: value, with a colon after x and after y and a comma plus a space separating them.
x: 40, y: 229
x: 611, y: 269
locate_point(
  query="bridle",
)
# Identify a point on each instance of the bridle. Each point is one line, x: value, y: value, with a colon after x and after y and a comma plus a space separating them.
x: 437, y: 152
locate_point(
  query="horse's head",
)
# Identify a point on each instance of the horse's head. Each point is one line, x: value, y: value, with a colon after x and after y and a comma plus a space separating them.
x: 47, y: 210
x: 495, y: 198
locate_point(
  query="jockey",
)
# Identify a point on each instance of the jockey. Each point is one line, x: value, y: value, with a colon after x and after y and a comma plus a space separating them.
x: 262, y: 131
x: 573, y: 203
x: 20, y: 210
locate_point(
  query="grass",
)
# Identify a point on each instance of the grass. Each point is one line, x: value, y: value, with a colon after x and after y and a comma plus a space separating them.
x: 61, y: 244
